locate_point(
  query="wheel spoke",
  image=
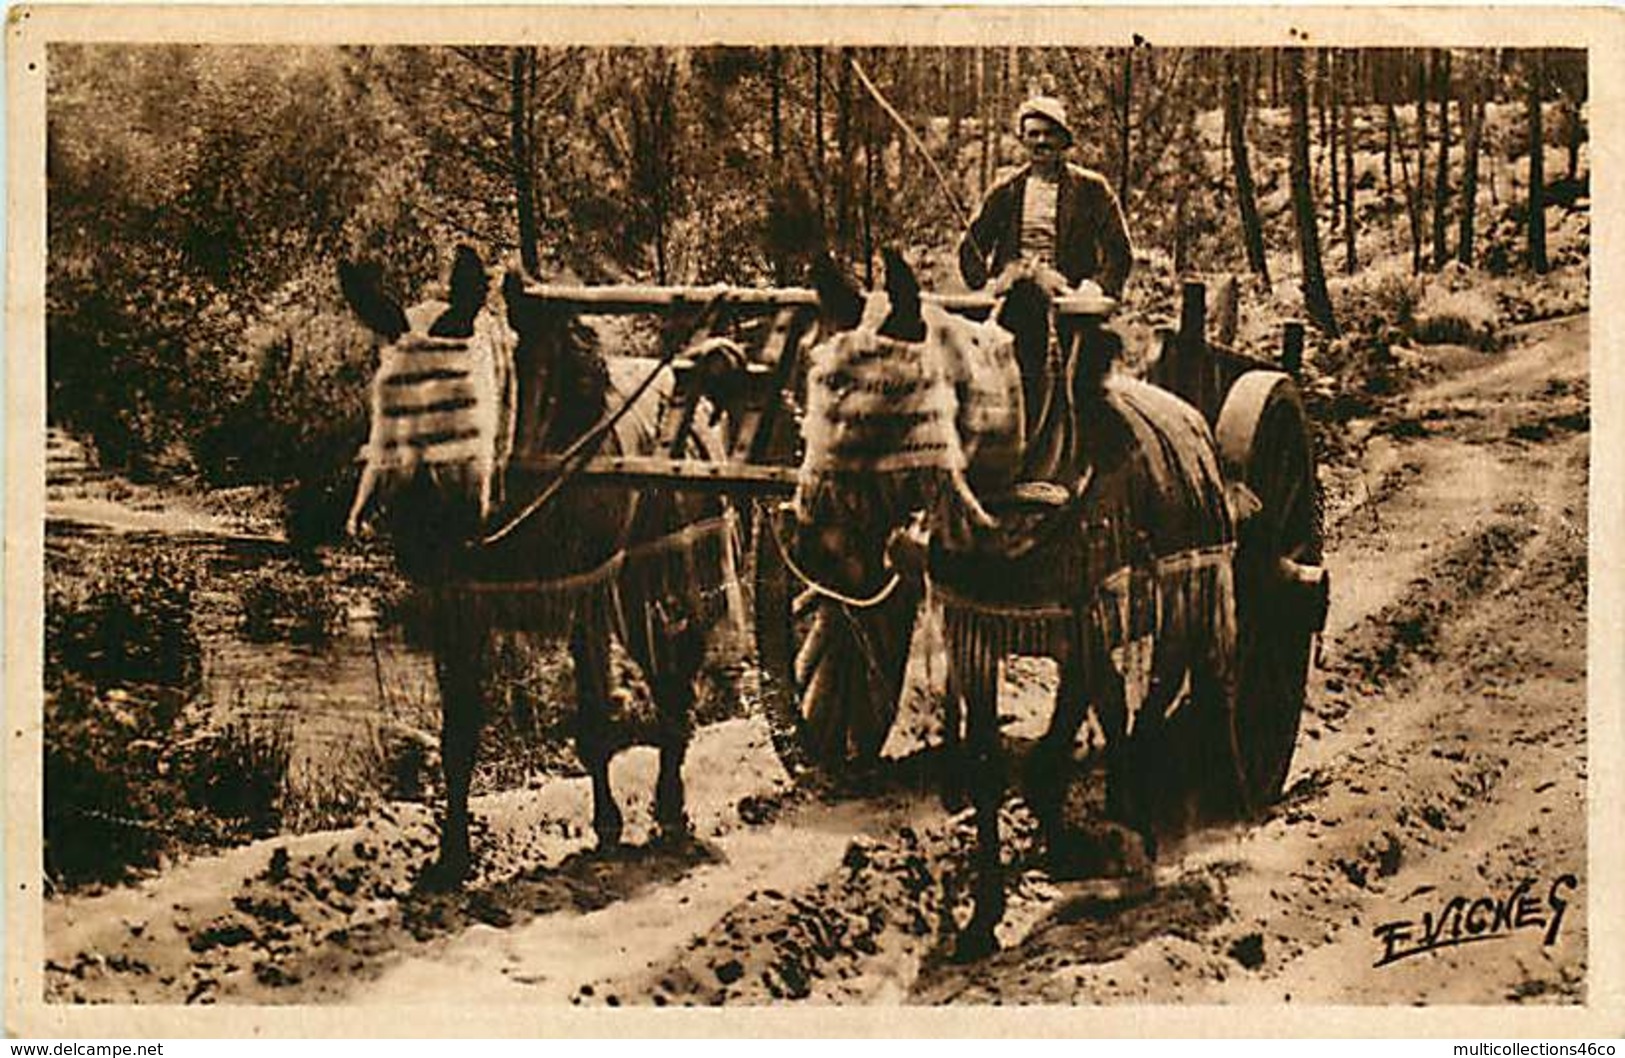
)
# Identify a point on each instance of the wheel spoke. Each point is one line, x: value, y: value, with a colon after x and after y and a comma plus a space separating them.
x: 810, y: 655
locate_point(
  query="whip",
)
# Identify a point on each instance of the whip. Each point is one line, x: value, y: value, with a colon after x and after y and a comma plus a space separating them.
x: 914, y: 138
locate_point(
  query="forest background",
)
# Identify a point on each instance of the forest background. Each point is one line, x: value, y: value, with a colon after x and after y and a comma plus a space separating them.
x: 199, y: 198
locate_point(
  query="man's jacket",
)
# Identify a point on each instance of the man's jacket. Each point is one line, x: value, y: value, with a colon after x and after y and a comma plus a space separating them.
x: 1091, y: 238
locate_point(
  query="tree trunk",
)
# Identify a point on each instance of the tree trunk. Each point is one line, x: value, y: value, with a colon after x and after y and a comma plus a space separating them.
x: 1322, y: 84
x: 1331, y: 105
x: 843, y: 157
x: 1416, y: 190
x: 1576, y: 131
x: 781, y: 264
x: 820, y: 175
x: 1124, y: 116
x: 1246, y: 197
x: 869, y: 138
x: 1472, y: 118
x: 1317, y: 302
x: 1181, y: 248
x: 776, y: 90
x: 1351, y: 261
x: 522, y: 68
x: 1388, y: 158
x: 984, y: 143
x: 1537, y: 168
x: 1441, y: 182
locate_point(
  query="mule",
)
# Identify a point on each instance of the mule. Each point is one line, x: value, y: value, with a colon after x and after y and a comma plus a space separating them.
x: 466, y: 401
x: 1106, y: 545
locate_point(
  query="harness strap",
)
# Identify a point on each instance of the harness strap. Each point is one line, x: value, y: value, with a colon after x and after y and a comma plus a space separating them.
x: 825, y: 590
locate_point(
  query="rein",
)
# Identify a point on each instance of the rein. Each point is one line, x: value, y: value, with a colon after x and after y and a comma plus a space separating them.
x: 825, y: 590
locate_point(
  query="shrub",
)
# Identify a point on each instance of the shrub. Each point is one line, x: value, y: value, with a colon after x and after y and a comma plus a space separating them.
x: 124, y: 785
x: 302, y: 414
x: 105, y: 805
x: 315, y: 506
x: 238, y: 775
x: 1461, y: 317
x: 121, y: 660
x: 125, y: 623
x: 410, y: 760
x: 127, y: 778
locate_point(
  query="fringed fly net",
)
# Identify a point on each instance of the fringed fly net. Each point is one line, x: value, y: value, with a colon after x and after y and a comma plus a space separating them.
x: 646, y: 562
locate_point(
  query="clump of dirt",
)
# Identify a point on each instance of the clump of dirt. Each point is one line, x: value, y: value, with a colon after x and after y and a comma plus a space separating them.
x: 857, y: 934
x: 292, y: 909
x: 1055, y: 962
x: 1545, y: 429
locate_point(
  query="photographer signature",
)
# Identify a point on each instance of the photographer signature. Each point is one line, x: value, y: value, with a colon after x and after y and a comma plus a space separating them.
x: 1467, y: 920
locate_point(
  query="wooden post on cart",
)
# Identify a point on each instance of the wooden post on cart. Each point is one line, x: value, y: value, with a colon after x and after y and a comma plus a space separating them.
x: 1292, y: 335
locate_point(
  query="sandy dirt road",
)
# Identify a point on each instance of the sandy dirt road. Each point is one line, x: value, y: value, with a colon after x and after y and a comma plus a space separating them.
x: 1437, y: 795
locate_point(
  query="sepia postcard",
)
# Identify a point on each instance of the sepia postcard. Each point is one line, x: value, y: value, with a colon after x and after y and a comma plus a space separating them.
x: 726, y: 520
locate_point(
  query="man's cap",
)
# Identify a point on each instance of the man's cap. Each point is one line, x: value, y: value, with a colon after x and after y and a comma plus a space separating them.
x: 1047, y: 107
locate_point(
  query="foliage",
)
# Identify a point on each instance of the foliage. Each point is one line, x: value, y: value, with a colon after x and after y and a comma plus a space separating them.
x: 236, y: 778
x: 131, y: 770
x: 1463, y: 317
x: 199, y: 197
x: 126, y: 624
x: 187, y: 188
x: 103, y: 812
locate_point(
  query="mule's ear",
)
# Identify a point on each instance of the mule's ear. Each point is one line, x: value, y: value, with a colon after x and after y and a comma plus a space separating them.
x: 467, y: 297
x: 901, y: 283
x: 468, y: 282
x: 363, y: 289
x: 903, y: 290
x: 839, y: 303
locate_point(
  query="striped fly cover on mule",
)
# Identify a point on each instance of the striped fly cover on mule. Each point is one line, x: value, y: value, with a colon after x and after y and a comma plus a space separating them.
x: 951, y: 403
x: 446, y: 404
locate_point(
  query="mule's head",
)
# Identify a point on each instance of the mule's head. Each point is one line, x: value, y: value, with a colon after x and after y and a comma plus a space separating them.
x: 909, y: 408
x: 441, y: 413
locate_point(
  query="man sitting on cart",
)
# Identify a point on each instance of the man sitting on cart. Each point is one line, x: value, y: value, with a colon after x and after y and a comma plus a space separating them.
x: 1049, y: 212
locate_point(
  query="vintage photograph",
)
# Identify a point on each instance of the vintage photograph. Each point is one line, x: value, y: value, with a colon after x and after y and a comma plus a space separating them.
x: 774, y: 524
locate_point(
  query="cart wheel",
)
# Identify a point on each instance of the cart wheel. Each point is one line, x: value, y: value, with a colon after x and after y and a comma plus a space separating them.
x: 1264, y: 440
x: 830, y: 676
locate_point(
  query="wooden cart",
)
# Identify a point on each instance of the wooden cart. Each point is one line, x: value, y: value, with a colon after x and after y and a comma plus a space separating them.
x: 1253, y: 407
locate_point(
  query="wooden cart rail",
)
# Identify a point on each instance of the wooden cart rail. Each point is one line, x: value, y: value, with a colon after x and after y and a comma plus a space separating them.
x: 690, y: 475
x: 631, y: 299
